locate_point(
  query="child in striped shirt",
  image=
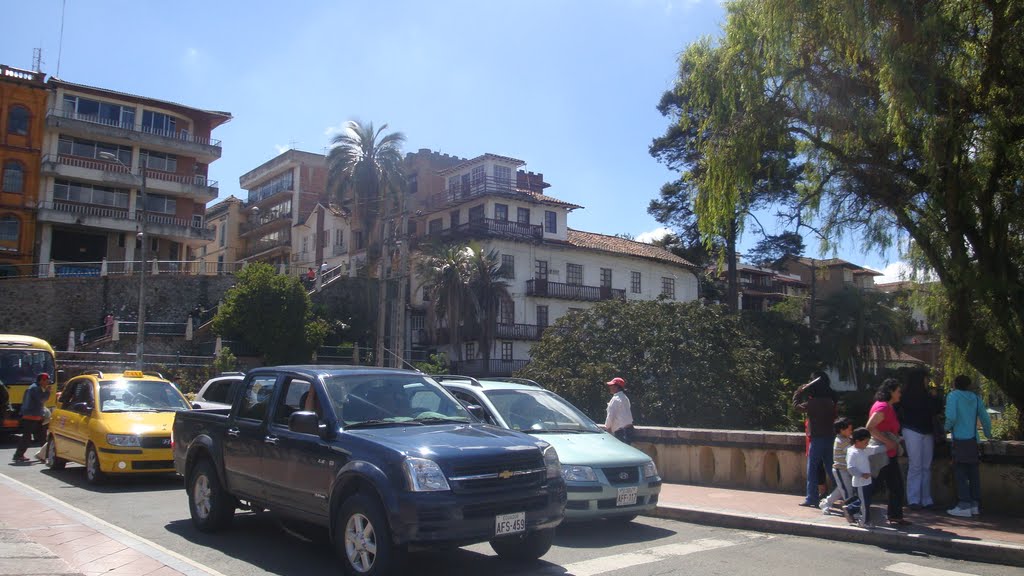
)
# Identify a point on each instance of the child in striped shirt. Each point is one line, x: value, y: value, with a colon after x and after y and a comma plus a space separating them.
x: 843, y: 493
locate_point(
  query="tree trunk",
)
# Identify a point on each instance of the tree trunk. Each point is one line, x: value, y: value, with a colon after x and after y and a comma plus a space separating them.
x: 382, y: 295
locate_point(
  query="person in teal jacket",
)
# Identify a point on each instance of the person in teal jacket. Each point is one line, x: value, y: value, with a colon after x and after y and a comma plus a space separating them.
x: 964, y: 409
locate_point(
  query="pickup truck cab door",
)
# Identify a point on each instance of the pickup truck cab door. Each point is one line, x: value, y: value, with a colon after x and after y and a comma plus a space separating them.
x: 298, y: 467
x: 244, y: 437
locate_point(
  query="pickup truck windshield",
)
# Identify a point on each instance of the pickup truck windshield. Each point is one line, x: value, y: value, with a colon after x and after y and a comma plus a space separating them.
x: 140, y: 396
x: 386, y: 399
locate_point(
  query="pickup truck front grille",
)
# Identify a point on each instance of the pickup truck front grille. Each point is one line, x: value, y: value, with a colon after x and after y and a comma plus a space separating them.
x: 498, y: 474
x: 488, y: 509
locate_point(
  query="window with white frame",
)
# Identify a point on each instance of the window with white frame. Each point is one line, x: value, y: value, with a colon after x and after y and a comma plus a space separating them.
x: 606, y: 277
x: 14, y: 177
x: 434, y: 226
x: 501, y: 212
x: 634, y: 282
x: 506, y: 311
x: 100, y: 112
x: 10, y: 228
x: 82, y: 148
x: 508, y: 263
x: 503, y: 177
x: 523, y: 215
x: 159, y: 123
x: 161, y: 204
x: 470, y: 350
x: 506, y: 350
x: 89, y: 194
x: 574, y: 274
x: 668, y: 287
x: 479, y: 176
x: 540, y: 270
x: 476, y: 213
x: 550, y: 222
x: 453, y: 185
x: 542, y: 315
x: 159, y: 161
x: 223, y: 232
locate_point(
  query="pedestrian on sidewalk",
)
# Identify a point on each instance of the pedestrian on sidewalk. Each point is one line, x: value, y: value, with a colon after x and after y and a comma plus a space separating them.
x: 619, y: 418
x: 858, y: 463
x: 323, y: 268
x: 919, y: 410
x: 817, y: 399
x: 843, y: 491
x: 964, y: 409
x: 884, y: 426
x: 32, y: 414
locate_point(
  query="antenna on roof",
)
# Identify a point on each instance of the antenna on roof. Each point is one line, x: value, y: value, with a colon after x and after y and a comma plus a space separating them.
x: 60, y: 45
x: 37, y: 59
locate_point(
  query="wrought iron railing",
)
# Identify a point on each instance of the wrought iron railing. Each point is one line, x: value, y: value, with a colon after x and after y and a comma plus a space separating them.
x: 549, y: 289
x: 464, y: 191
x: 492, y: 227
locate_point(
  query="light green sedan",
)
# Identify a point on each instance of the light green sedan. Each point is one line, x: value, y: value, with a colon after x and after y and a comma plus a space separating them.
x: 604, y: 477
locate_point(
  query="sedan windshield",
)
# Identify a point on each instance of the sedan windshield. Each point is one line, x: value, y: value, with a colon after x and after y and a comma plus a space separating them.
x: 392, y: 399
x: 539, y: 411
x: 140, y: 396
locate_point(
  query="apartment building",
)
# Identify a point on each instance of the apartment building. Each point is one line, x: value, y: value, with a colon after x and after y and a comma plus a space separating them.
x: 115, y: 166
x: 823, y: 277
x: 23, y: 97
x: 762, y: 288
x: 282, y: 193
x: 224, y: 219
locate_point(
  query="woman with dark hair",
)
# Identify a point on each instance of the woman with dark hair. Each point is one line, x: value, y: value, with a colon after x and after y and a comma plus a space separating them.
x: 964, y: 409
x: 817, y: 399
x: 885, y: 428
x: 919, y: 409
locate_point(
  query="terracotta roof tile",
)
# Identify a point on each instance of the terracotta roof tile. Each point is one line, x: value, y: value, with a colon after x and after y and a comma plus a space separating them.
x: 549, y: 199
x: 618, y: 245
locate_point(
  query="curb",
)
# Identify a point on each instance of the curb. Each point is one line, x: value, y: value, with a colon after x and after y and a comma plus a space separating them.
x: 947, y: 547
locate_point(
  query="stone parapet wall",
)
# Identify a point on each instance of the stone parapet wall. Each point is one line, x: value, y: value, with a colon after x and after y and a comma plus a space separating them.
x: 51, y: 307
x: 775, y: 462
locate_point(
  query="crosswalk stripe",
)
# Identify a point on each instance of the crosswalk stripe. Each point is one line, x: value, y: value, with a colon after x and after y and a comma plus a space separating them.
x: 916, y: 570
x: 646, y: 556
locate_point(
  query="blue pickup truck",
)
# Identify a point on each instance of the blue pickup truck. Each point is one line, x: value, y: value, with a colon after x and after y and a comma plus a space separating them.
x: 385, y: 459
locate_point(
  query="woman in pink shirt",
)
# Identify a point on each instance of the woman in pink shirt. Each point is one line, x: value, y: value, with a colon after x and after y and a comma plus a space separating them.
x: 884, y: 426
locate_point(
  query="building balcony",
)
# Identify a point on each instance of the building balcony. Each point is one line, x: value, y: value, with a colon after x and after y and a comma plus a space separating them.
x: 492, y: 228
x: 339, y: 250
x: 469, y: 333
x: 165, y: 225
x: 264, y: 248
x: 181, y: 142
x: 265, y: 223
x: 121, y: 220
x: 495, y: 367
x: 114, y: 174
x: 460, y: 193
x: 548, y: 289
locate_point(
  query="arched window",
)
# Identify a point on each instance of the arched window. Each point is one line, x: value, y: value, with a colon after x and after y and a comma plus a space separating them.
x: 17, y: 120
x: 10, y: 228
x: 14, y: 177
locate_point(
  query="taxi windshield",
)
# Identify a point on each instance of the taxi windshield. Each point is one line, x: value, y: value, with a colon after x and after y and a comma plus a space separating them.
x: 140, y: 396
x: 539, y: 411
x: 382, y: 400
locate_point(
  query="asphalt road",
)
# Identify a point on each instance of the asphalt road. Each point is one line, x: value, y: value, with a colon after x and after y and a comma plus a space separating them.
x: 155, y: 509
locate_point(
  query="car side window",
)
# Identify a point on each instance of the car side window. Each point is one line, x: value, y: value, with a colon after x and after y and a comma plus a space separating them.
x: 291, y: 400
x: 256, y: 397
x: 217, y: 392
x: 68, y: 394
x: 468, y: 399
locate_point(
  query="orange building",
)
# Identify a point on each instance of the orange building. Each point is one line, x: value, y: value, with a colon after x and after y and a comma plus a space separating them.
x: 23, y: 97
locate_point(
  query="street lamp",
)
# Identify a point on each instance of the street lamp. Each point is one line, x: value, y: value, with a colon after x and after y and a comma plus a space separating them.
x: 141, y: 215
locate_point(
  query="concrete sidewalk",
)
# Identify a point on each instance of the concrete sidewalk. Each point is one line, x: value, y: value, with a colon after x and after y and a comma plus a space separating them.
x: 985, y: 538
x: 40, y: 535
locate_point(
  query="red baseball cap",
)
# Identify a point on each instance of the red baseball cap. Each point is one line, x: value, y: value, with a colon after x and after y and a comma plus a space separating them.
x: 43, y: 375
x: 616, y: 382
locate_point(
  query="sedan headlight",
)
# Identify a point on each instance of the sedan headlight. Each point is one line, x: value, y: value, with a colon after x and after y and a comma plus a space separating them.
x: 650, y: 470
x: 551, y: 464
x: 578, y: 474
x: 424, y: 475
x: 130, y: 440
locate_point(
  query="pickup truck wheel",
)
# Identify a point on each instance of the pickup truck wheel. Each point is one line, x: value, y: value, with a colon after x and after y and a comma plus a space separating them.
x: 93, y: 473
x: 363, y: 540
x: 52, y: 462
x: 526, y: 547
x: 211, y: 507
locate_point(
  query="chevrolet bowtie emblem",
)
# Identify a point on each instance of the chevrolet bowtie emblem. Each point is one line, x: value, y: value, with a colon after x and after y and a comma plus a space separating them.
x: 505, y: 474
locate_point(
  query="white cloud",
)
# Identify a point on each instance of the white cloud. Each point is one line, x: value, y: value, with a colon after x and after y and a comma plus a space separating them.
x: 332, y: 131
x: 652, y: 235
x: 281, y: 148
x: 895, y: 272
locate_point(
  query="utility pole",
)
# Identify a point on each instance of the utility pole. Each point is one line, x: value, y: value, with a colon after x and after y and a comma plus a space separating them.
x: 403, y: 278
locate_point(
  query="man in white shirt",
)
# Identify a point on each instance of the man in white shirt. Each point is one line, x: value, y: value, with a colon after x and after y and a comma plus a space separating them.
x: 619, y: 420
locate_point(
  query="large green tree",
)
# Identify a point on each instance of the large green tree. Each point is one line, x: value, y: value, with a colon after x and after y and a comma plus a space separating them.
x: 685, y: 365
x: 488, y: 287
x: 445, y: 270
x: 272, y: 313
x: 908, y: 119
x: 366, y: 175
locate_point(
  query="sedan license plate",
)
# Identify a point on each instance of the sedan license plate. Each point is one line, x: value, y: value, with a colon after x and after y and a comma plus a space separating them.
x: 626, y: 496
x: 509, y: 523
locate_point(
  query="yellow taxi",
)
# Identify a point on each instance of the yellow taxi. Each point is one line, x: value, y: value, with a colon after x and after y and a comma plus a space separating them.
x: 115, y: 423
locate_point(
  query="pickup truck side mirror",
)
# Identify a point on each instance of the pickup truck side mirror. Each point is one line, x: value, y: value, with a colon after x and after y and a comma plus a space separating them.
x: 304, y: 422
x: 81, y: 407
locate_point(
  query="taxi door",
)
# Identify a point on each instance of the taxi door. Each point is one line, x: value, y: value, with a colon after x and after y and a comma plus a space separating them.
x: 70, y: 428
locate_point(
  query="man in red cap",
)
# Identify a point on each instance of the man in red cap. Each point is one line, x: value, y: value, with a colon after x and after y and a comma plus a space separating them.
x: 619, y: 420
x: 32, y: 413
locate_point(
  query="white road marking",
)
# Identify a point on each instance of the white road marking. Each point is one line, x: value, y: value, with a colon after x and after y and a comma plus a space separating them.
x: 915, y: 570
x: 646, y: 556
x: 166, y: 556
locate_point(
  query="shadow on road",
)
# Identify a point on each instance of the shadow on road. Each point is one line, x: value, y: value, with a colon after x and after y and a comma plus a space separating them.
x: 605, y: 533
x: 75, y: 476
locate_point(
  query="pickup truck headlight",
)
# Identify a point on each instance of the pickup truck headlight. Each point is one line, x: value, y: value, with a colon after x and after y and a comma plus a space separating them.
x: 130, y: 440
x: 650, y: 470
x: 551, y: 463
x: 425, y: 475
x: 578, y: 474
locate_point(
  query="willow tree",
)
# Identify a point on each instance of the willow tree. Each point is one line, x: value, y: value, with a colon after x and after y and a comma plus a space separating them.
x: 909, y: 122
x: 366, y: 175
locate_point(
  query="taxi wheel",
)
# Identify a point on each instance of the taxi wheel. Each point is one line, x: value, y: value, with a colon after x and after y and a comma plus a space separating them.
x: 52, y: 461
x: 93, y: 474
x: 363, y: 540
x: 210, y: 505
x: 526, y: 547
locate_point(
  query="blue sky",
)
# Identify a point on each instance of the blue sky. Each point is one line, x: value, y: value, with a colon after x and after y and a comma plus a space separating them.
x: 568, y: 86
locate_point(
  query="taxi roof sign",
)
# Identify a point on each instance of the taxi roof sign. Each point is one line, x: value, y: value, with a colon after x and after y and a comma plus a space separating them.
x: 133, y: 374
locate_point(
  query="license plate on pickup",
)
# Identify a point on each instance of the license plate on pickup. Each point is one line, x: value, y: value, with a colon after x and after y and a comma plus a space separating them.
x: 509, y: 523
x: 626, y: 496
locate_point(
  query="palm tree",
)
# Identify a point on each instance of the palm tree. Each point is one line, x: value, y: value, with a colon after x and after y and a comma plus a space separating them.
x: 365, y: 173
x: 857, y: 325
x: 445, y: 271
x: 488, y: 289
